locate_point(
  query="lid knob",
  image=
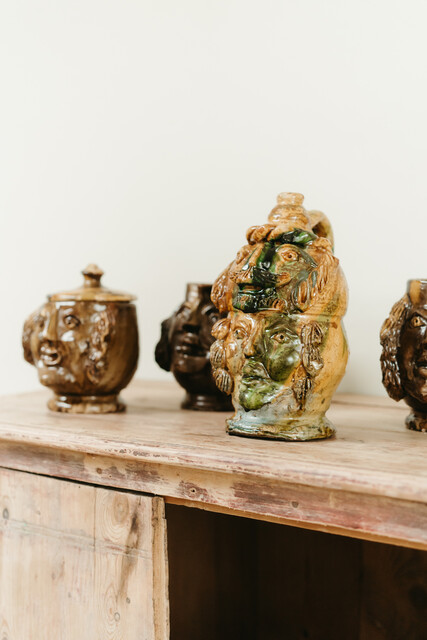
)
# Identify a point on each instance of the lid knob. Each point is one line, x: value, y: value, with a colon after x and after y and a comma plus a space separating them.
x: 289, y: 210
x: 92, y: 276
x: 290, y: 198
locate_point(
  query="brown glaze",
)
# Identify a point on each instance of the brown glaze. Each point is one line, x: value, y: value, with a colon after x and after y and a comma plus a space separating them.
x: 84, y: 344
x: 404, y: 355
x: 184, y: 346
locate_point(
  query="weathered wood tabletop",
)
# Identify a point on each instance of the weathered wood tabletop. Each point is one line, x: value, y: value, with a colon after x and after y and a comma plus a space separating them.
x: 370, y: 481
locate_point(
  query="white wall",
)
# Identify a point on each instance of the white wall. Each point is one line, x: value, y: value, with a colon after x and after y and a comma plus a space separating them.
x: 148, y: 135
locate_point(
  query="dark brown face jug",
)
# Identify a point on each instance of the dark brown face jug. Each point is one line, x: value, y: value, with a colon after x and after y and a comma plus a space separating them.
x: 183, y: 348
x: 84, y: 344
x: 404, y: 355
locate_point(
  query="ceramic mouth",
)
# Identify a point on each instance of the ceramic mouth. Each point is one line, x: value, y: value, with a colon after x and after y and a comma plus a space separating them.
x: 50, y: 356
x: 250, y: 289
x: 258, y: 300
x: 189, y: 346
x: 254, y: 382
x: 253, y: 373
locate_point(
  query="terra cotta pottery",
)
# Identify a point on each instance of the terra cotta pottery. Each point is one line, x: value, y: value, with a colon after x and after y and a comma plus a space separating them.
x: 404, y: 355
x: 183, y: 348
x: 84, y: 344
x: 282, y: 350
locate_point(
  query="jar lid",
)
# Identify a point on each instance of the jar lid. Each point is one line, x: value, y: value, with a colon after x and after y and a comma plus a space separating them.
x: 92, y: 290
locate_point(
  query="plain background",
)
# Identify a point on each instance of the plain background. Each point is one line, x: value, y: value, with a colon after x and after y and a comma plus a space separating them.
x: 148, y: 136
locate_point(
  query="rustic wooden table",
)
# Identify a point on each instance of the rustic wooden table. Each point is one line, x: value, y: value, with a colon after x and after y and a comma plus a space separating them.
x: 96, y: 542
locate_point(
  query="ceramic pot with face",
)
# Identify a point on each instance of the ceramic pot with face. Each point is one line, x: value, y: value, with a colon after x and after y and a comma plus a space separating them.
x: 404, y: 353
x: 281, y: 351
x: 84, y: 344
x: 184, y: 346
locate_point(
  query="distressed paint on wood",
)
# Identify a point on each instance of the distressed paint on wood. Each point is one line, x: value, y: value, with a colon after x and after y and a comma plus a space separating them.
x: 78, y: 561
x: 369, y: 482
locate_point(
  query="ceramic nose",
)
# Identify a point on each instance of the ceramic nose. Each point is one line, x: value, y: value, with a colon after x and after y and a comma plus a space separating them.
x: 250, y: 347
x: 191, y: 323
x: 49, y: 330
x: 191, y: 328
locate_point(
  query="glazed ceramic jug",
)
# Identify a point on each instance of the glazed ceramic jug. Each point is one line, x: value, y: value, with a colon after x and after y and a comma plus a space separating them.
x: 404, y: 353
x: 282, y: 349
x: 184, y: 346
x: 84, y: 344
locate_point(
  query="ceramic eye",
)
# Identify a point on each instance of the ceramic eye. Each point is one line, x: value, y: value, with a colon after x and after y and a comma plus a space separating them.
x: 71, y: 322
x: 212, y: 314
x: 280, y: 337
x: 213, y: 318
x: 289, y: 255
x: 240, y: 334
x: 417, y: 321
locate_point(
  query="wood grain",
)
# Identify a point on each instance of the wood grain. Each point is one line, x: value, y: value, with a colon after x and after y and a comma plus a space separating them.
x: 369, y: 482
x: 235, y: 578
x: 308, y: 585
x: 78, y: 562
x: 394, y: 598
x: 212, y: 564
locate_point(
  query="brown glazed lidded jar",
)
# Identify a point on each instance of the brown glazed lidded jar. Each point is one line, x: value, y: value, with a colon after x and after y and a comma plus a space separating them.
x: 84, y: 344
x: 404, y: 355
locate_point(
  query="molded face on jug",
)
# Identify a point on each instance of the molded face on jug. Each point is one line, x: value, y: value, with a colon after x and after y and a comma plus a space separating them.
x: 84, y: 345
x: 404, y: 356
x: 282, y: 350
x: 184, y: 346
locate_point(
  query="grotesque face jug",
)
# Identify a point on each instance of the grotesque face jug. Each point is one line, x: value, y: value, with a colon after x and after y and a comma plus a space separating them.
x: 84, y: 344
x: 282, y: 351
x: 184, y: 349
x: 404, y: 355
